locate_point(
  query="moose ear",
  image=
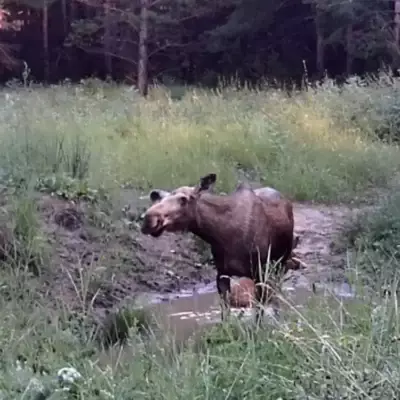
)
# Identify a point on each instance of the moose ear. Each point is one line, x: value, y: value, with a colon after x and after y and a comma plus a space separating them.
x: 206, y: 182
x: 157, y: 195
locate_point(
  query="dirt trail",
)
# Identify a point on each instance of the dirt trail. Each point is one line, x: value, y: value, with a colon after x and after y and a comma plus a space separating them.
x: 318, y: 227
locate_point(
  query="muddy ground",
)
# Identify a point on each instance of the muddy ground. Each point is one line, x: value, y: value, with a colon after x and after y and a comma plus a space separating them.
x: 99, y: 257
x: 116, y: 261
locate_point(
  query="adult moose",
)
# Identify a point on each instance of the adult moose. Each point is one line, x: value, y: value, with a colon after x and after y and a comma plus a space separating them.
x: 243, y: 230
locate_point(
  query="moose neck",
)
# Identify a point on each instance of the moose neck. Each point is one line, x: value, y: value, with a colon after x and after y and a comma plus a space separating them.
x: 212, y: 215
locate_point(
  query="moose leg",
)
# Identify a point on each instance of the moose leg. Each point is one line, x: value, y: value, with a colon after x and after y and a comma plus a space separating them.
x: 296, y: 241
x: 224, y: 287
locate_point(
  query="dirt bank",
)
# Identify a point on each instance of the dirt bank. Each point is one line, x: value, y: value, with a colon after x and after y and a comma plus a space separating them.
x: 319, y: 228
x: 110, y: 260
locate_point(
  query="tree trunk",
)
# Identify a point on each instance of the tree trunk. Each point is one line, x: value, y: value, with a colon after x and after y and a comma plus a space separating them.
x: 107, y: 37
x: 349, y: 49
x: 45, y: 28
x: 64, y: 16
x: 320, y: 47
x: 395, y: 47
x: 143, y: 54
x: 397, y: 21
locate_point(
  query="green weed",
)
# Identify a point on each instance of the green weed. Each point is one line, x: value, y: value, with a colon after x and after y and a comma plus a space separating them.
x: 27, y: 243
x: 344, y: 351
x: 374, y: 235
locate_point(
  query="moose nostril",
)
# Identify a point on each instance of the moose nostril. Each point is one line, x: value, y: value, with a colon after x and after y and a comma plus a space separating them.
x: 149, y: 222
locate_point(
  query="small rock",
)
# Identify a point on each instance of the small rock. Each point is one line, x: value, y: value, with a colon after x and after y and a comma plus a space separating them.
x: 127, y: 222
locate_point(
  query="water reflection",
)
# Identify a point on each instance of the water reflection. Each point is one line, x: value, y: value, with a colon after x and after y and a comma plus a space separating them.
x: 188, y: 311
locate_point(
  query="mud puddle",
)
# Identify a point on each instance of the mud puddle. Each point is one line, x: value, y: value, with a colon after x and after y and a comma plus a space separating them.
x: 187, y: 311
x: 189, y: 314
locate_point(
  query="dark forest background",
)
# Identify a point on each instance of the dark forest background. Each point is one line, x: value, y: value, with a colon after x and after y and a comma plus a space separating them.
x: 196, y: 41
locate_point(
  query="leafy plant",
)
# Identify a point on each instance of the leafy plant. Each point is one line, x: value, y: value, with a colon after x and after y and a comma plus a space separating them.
x: 69, y: 188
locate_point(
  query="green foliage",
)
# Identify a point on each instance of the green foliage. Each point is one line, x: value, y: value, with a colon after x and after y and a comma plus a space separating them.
x: 35, y: 4
x: 367, y: 105
x: 309, y: 146
x: 199, y: 41
x: 375, y: 234
x: 329, y: 352
x: 84, y: 33
x: 120, y: 325
x: 166, y: 28
x: 368, y: 39
x: 28, y: 242
x: 245, y: 21
x: 385, y: 114
x: 382, y: 226
x: 69, y: 188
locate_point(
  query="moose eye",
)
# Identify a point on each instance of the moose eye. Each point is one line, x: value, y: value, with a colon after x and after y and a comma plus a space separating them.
x: 183, y: 201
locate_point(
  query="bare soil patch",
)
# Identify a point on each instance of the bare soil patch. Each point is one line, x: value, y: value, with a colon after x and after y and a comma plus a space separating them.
x: 319, y: 228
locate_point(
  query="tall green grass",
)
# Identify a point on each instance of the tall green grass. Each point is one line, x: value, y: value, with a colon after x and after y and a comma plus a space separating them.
x: 319, y: 145
x: 327, y: 351
x: 374, y: 236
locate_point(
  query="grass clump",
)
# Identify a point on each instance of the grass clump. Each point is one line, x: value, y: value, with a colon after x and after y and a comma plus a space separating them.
x: 375, y: 235
x: 312, y: 146
x: 118, y: 325
x: 23, y: 246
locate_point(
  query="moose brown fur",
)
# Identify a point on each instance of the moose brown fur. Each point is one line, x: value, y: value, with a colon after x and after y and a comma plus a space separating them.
x: 242, y: 293
x: 243, y: 229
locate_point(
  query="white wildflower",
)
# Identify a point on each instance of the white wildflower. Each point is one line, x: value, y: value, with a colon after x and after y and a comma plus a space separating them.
x: 68, y: 375
x: 19, y: 365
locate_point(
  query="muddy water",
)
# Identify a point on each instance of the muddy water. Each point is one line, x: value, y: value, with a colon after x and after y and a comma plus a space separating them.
x: 186, y: 313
